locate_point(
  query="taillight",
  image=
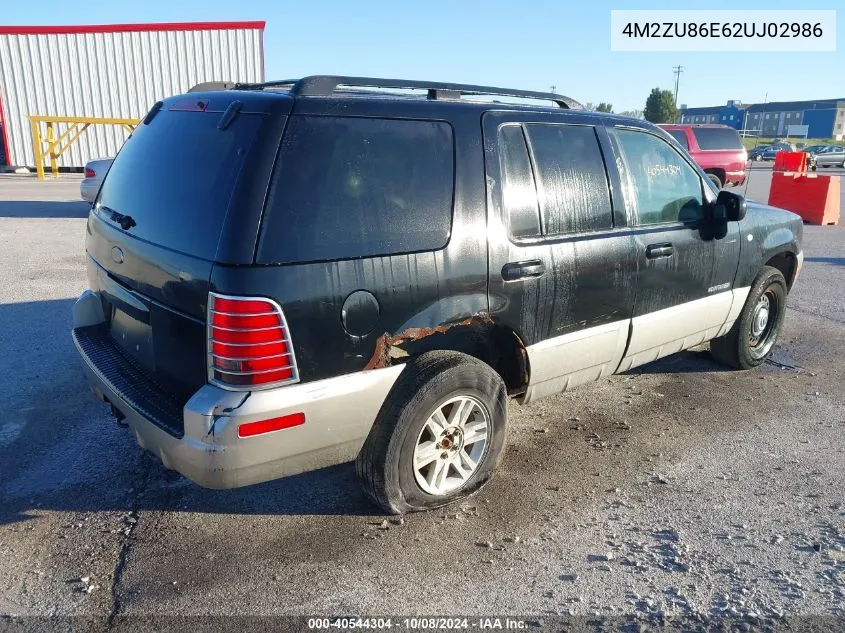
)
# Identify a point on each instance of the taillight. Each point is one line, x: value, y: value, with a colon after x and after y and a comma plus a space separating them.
x: 90, y: 173
x: 249, y: 343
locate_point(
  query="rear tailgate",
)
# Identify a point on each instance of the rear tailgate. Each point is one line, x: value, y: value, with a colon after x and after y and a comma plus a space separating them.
x: 185, y: 191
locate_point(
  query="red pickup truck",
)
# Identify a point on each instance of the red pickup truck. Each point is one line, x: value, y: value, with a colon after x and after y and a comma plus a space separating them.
x: 717, y: 149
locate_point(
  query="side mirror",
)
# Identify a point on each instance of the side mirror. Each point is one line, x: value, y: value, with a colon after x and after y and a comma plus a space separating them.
x: 734, y: 204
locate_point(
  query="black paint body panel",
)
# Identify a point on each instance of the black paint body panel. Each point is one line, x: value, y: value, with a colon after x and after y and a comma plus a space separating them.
x: 412, y: 290
x: 589, y: 278
x: 773, y: 231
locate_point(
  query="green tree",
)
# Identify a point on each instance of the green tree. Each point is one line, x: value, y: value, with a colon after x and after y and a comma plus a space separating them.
x: 660, y: 107
x: 605, y: 107
x: 637, y: 114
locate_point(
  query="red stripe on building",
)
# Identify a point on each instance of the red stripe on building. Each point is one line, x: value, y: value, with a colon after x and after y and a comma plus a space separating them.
x: 131, y: 28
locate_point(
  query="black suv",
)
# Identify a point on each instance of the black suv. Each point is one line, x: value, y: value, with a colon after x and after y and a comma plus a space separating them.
x: 295, y: 274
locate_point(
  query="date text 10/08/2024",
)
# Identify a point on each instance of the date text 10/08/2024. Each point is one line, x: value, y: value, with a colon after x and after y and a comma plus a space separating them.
x: 432, y: 623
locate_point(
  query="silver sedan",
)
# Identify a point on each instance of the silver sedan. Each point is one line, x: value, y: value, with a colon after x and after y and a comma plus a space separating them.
x: 95, y: 171
x: 831, y: 156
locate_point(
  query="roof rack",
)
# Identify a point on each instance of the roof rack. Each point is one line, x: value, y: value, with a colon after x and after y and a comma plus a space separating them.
x: 327, y: 85
x: 211, y: 86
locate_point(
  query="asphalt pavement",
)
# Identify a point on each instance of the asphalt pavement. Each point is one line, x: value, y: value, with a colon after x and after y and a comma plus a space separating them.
x: 679, y: 489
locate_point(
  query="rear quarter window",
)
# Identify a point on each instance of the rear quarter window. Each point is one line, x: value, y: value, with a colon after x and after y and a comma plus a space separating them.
x: 717, y: 138
x: 681, y: 137
x: 357, y: 187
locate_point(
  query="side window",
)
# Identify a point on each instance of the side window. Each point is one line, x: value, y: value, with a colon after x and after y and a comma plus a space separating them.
x: 717, y: 138
x: 681, y: 137
x: 518, y: 190
x: 356, y: 187
x: 665, y: 186
x: 571, y: 179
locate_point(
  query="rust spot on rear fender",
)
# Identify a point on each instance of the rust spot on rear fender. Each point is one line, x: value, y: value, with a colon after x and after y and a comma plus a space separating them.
x: 381, y: 354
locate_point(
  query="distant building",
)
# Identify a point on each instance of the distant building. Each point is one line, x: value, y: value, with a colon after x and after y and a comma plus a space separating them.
x: 824, y: 118
x: 111, y: 70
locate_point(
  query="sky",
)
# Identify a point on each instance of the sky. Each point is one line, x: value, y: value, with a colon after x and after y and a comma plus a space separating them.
x: 526, y: 44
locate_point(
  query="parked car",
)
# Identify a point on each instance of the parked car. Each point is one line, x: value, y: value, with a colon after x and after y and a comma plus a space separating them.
x: 814, y: 149
x: 717, y: 149
x: 756, y: 153
x: 811, y: 151
x: 831, y: 156
x: 95, y: 171
x: 768, y: 152
x: 314, y: 273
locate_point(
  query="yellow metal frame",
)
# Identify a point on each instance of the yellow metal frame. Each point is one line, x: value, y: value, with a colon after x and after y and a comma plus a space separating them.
x: 53, y: 147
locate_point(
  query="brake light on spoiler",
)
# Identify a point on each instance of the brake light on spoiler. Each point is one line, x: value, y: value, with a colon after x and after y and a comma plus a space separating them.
x: 249, y: 344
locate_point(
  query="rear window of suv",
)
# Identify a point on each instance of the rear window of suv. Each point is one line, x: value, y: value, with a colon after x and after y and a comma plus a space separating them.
x: 717, y: 138
x: 681, y: 137
x: 174, y: 178
x: 358, y: 187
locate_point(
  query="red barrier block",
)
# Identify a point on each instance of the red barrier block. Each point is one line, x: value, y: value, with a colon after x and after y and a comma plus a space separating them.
x: 790, y: 161
x: 815, y: 198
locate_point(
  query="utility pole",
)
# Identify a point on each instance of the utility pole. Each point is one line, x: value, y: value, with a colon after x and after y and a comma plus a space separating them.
x: 677, y: 70
x: 552, y: 88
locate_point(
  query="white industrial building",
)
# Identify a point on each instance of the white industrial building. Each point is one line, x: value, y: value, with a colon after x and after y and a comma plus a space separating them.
x: 115, y: 71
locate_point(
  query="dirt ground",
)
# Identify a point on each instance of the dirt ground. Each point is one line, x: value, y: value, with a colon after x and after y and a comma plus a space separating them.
x: 680, y: 489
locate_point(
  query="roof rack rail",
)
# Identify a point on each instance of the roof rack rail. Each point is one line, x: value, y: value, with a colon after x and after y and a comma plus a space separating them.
x: 278, y: 83
x: 326, y: 85
x: 212, y: 86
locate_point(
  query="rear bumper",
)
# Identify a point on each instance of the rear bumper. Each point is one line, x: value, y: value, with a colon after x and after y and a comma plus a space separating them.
x: 735, y: 177
x: 88, y: 189
x: 203, y: 443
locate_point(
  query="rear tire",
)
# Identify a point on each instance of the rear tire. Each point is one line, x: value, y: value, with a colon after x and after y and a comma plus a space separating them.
x: 435, y: 386
x: 716, y: 180
x: 753, y: 336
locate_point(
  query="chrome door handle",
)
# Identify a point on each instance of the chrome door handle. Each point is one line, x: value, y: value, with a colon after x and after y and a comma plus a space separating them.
x: 655, y: 251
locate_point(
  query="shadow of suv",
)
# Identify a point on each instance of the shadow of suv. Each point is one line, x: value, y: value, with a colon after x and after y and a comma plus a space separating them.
x: 294, y: 274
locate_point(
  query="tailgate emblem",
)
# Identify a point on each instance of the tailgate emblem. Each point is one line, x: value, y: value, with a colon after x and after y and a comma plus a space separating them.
x: 117, y: 254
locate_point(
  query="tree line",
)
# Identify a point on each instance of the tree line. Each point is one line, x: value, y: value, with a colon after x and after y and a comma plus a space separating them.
x: 659, y: 107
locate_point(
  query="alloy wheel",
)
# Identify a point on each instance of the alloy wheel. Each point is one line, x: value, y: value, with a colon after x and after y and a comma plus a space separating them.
x: 451, y: 445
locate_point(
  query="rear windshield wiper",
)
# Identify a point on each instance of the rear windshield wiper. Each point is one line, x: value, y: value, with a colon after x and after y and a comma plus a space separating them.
x: 125, y: 222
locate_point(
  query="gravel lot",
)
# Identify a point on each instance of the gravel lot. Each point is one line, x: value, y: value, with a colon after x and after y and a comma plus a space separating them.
x: 680, y: 489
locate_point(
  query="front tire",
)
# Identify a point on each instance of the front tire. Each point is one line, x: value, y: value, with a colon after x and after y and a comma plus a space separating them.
x: 438, y: 436
x: 754, y: 334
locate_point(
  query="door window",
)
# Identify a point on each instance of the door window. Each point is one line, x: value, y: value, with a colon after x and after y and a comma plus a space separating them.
x: 571, y: 178
x: 563, y: 190
x: 518, y: 190
x: 666, y: 188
